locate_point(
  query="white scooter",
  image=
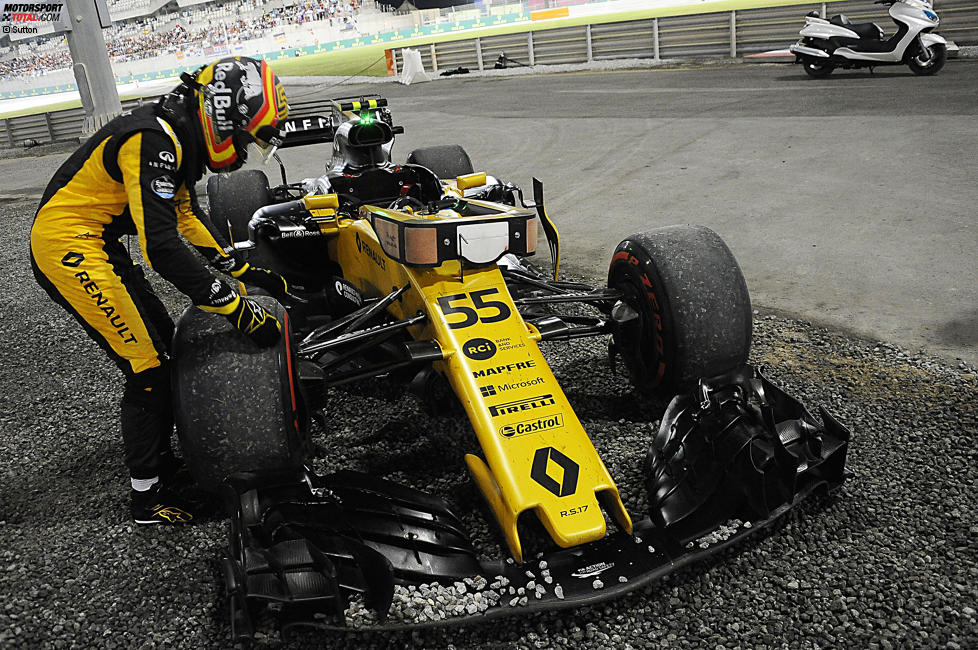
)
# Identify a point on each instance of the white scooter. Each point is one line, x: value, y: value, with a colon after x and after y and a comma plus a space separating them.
x: 838, y: 43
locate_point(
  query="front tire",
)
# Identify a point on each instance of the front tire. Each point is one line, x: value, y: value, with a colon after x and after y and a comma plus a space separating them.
x: 233, y: 201
x: 817, y: 70
x: 928, y: 60
x: 237, y: 406
x: 685, y: 313
x: 234, y: 198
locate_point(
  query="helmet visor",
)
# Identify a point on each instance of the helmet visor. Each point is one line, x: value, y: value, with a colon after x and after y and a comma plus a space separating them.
x: 269, y: 138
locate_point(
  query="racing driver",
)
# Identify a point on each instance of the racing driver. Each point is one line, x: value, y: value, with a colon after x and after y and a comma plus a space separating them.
x: 136, y: 175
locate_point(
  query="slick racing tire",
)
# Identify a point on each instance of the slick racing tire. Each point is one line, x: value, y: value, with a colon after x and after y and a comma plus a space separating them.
x: 234, y: 198
x: 817, y: 70
x: 685, y: 312
x: 446, y: 161
x: 237, y: 406
x: 929, y: 60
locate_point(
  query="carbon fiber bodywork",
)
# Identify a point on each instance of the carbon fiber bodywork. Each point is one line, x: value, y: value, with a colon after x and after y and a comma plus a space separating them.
x: 728, y: 460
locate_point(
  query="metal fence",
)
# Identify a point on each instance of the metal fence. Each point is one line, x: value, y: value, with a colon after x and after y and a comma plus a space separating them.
x: 730, y: 33
x: 44, y: 128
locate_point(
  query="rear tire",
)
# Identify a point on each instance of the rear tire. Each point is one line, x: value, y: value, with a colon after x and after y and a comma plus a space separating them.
x: 446, y: 161
x: 237, y: 406
x: 690, y: 310
x: 937, y: 57
x: 817, y: 70
x: 233, y: 199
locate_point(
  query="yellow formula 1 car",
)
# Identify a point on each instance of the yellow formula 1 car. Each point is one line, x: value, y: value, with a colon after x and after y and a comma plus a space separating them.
x: 421, y: 273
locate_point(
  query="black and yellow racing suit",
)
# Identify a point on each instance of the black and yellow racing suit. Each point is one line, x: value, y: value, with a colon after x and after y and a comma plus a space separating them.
x: 134, y: 176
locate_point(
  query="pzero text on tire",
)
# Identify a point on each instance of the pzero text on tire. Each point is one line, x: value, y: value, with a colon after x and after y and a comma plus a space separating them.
x: 685, y: 313
x: 234, y: 198
x: 446, y: 161
x: 236, y: 405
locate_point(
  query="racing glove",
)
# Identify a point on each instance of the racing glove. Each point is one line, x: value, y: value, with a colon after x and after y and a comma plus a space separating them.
x: 270, y: 281
x: 250, y: 318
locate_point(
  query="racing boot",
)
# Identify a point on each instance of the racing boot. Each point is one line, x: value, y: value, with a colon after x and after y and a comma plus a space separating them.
x: 160, y: 505
x: 173, y: 471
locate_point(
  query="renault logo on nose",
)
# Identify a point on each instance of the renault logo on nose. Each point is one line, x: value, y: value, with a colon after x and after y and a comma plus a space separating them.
x: 73, y: 259
x: 540, y: 471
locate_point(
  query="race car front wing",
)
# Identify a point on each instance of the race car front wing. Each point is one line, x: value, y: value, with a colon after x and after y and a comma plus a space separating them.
x: 728, y: 460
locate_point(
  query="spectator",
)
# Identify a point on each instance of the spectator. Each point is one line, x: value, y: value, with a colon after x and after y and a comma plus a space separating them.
x: 147, y: 38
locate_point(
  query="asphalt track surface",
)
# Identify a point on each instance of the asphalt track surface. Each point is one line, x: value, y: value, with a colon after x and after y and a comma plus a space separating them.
x: 850, y: 201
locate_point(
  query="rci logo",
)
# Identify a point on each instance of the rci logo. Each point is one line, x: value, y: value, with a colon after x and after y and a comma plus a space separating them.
x: 540, y: 472
x: 479, y: 349
x: 73, y: 259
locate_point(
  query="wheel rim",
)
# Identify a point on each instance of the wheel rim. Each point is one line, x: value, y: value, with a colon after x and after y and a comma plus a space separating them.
x: 925, y: 58
x: 647, y: 348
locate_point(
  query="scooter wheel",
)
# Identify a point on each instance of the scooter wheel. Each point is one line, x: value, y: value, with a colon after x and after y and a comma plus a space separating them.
x: 818, y: 70
x: 927, y: 61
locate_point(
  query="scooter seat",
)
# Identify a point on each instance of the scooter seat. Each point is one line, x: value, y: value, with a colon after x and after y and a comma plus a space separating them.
x: 863, y: 30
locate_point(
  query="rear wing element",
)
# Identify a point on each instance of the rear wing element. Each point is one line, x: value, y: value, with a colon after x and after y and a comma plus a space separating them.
x: 316, y: 121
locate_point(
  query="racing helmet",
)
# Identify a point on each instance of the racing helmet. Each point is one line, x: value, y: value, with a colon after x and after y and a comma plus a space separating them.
x: 239, y: 101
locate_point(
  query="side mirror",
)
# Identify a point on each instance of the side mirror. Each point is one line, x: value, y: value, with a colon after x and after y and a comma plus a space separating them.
x: 321, y: 202
x: 470, y: 180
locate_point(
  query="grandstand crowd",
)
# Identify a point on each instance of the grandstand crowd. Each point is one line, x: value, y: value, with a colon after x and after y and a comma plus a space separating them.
x: 187, y: 30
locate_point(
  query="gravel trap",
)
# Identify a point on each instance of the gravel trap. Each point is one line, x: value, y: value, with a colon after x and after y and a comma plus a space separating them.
x: 889, y: 561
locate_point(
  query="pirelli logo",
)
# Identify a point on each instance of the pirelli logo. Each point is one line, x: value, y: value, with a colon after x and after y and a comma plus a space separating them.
x: 521, y: 405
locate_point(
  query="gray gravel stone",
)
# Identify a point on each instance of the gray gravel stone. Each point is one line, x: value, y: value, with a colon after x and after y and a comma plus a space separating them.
x: 75, y: 573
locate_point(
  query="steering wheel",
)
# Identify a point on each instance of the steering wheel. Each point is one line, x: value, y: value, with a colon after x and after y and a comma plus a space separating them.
x: 406, y: 201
